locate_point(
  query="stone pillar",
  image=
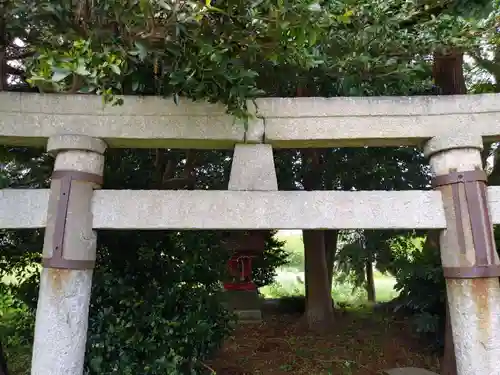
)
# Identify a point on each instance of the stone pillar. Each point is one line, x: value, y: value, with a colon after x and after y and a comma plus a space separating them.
x: 252, y: 170
x: 468, y: 253
x: 69, y: 254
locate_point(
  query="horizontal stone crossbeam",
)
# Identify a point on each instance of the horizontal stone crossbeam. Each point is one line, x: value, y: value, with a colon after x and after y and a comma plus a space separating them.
x: 28, y: 119
x: 376, y: 121
x: 23, y: 208
x: 150, y: 209
x: 143, y: 122
x: 202, y: 209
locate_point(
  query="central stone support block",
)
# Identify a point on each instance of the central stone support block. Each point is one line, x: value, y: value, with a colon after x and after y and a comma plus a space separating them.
x: 252, y: 169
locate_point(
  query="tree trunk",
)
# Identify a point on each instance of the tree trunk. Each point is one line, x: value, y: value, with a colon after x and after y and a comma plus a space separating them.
x: 370, y: 281
x: 449, y: 77
x: 319, y: 309
x: 448, y: 73
x: 331, y: 241
x: 3, y: 362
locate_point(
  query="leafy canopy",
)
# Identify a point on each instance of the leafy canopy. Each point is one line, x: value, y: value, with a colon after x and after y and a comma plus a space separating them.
x: 202, y: 50
x: 216, y: 50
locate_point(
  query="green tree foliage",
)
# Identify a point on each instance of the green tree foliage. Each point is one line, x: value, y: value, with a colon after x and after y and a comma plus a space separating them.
x: 202, y: 50
x: 231, y: 51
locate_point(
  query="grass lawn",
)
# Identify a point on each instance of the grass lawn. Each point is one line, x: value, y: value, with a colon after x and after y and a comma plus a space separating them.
x: 290, y: 283
x: 290, y: 280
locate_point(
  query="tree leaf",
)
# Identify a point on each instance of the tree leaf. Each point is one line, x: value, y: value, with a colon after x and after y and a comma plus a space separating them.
x: 60, y: 75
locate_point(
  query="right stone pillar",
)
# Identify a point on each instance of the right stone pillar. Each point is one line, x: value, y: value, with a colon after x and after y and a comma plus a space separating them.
x: 468, y: 252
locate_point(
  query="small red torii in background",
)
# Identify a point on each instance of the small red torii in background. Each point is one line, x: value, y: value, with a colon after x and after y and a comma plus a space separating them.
x: 244, y: 246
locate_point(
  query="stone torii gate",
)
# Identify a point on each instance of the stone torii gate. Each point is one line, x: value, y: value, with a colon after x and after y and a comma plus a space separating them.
x: 78, y: 129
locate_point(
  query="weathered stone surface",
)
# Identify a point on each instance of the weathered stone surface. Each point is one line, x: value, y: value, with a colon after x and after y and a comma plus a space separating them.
x: 142, y: 209
x: 494, y: 203
x: 249, y: 316
x: 376, y: 106
x: 245, y: 304
x: 375, y: 121
x: 474, y: 304
x: 75, y: 142
x: 267, y: 210
x: 64, y: 296
x: 27, y: 208
x: 457, y: 140
x: 61, y: 322
x: 409, y: 371
x: 253, y: 168
x: 23, y: 208
x: 143, y: 122
x: 242, y: 299
x: 153, y: 122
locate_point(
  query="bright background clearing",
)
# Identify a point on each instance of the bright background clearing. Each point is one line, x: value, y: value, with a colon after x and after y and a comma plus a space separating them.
x: 290, y: 280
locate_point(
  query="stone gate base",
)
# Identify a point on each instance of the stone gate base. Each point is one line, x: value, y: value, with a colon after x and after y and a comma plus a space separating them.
x: 246, y: 304
x: 409, y: 371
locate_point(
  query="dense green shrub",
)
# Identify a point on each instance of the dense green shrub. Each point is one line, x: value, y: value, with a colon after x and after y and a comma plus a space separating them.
x: 421, y: 286
x: 155, y: 306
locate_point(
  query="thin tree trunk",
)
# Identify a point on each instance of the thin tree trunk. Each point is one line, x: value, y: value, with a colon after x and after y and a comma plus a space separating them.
x: 370, y: 281
x: 449, y: 77
x: 331, y: 241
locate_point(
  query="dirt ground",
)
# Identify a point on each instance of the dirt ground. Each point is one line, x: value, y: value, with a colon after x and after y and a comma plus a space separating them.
x: 361, y: 343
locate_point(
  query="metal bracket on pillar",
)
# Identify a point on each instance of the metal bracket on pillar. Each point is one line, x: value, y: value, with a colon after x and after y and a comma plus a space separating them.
x: 469, y: 194
x: 57, y: 260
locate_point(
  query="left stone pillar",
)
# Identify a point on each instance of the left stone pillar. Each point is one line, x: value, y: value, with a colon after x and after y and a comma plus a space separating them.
x: 69, y: 254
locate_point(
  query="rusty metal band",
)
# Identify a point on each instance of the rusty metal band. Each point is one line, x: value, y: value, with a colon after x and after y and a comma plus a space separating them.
x: 472, y: 272
x: 478, y: 225
x: 474, y: 187
x: 489, y: 235
x: 57, y: 260
x: 455, y: 177
x: 457, y: 208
